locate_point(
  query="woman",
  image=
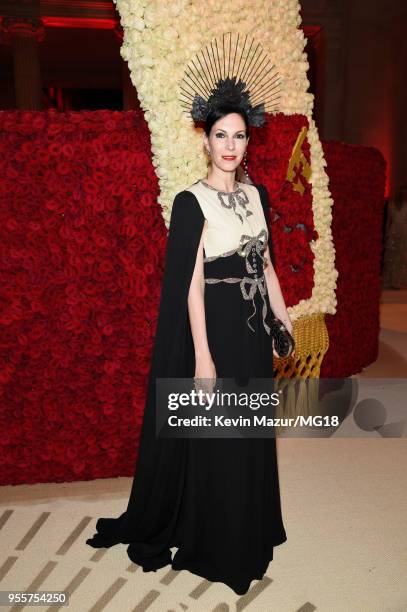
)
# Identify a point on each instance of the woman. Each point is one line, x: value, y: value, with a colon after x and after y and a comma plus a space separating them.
x: 216, y: 499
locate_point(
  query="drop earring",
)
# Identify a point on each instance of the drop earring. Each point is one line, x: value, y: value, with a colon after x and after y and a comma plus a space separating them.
x: 246, y: 171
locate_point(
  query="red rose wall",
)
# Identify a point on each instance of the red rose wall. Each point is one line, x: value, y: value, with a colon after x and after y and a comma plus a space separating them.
x: 82, y: 245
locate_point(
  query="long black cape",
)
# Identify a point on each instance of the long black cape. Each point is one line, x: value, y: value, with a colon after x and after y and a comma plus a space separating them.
x: 148, y: 524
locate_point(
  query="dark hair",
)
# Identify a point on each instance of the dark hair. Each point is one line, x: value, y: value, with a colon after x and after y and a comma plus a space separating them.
x: 221, y: 111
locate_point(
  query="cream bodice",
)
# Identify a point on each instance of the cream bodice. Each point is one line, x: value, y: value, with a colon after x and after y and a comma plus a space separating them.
x: 228, y: 216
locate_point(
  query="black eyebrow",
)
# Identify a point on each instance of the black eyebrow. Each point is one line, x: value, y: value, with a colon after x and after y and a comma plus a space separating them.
x: 238, y: 131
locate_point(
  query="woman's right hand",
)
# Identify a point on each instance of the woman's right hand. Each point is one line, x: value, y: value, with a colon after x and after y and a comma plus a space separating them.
x: 205, y: 374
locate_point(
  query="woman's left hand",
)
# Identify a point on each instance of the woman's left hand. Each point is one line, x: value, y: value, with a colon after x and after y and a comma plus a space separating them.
x: 288, y: 324
x: 289, y: 327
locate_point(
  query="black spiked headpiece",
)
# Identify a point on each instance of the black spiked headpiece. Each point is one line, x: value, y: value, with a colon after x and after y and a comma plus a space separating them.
x: 223, y: 74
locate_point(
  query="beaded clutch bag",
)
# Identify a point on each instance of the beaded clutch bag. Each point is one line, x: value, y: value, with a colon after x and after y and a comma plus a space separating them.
x: 284, y: 343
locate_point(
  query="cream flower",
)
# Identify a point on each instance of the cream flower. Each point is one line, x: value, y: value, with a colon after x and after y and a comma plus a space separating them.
x: 160, y: 38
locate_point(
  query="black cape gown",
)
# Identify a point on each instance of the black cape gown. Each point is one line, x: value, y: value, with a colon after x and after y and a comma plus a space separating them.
x: 216, y: 499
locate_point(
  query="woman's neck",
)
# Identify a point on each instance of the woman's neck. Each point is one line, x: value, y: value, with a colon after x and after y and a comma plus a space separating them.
x: 223, y: 181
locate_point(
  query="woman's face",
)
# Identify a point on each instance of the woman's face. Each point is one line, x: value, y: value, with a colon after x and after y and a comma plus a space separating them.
x: 227, y: 142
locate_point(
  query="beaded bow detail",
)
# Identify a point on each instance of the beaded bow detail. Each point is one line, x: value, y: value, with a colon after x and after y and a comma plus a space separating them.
x: 248, y: 242
x: 255, y: 284
x: 247, y: 245
x: 232, y: 199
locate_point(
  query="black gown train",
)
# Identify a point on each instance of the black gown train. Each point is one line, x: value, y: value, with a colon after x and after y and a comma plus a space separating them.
x: 216, y: 499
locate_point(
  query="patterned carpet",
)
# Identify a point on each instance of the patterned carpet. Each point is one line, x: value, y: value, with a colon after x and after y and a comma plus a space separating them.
x: 343, y: 503
x: 344, y: 507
